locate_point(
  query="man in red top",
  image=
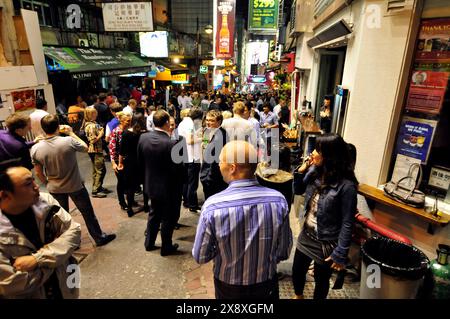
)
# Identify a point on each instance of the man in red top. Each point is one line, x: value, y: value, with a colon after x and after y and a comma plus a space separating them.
x: 136, y: 94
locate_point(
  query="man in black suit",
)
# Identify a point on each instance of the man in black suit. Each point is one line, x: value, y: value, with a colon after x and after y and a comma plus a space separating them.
x: 210, y: 175
x: 164, y: 176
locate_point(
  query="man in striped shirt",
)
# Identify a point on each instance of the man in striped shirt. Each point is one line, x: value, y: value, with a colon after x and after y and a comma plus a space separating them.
x: 244, y: 228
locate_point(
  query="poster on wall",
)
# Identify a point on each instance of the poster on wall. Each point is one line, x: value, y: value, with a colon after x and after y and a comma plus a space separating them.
x: 415, y: 138
x: 434, y: 41
x: 427, y: 91
x: 23, y: 100
x: 224, y: 22
x: 263, y: 15
x: 128, y: 16
x: 431, y: 71
x: 154, y: 44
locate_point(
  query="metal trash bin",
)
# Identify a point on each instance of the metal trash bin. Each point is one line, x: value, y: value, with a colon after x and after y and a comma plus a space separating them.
x: 391, y: 269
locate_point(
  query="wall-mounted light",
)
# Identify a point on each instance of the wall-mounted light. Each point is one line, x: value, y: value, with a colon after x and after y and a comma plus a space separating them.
x: 176, y: 60
x: 209, y: 29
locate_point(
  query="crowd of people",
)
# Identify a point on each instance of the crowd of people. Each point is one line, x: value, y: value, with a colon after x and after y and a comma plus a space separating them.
x: 166, y: 150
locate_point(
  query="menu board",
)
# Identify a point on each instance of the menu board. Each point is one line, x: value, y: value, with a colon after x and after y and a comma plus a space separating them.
x: 431, y: 71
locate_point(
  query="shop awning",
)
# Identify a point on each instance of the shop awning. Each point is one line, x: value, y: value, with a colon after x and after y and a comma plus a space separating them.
x: 90, y: 62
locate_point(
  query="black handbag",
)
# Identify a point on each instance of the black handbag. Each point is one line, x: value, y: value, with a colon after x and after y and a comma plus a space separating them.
x: 407, y: 195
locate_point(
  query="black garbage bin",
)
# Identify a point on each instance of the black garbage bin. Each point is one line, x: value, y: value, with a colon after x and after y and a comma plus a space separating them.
x: 391, y: 269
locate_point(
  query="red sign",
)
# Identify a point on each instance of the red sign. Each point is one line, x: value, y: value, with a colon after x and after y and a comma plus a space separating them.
x: 225, y: 19
x: 23, y: 100
x: 426, y: 91
x: 430, y: 76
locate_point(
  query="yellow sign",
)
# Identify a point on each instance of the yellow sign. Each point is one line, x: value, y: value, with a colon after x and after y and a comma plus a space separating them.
x: 180, y: 78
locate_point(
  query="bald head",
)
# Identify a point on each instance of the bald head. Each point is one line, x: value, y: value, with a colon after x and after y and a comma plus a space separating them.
x: 238, y: 160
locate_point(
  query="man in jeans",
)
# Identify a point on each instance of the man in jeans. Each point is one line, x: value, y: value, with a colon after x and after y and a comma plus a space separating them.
x: 56, y: 155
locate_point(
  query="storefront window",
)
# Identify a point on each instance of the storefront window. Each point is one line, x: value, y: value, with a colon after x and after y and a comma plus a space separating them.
x: 42, y: 9
x: 424, y: 130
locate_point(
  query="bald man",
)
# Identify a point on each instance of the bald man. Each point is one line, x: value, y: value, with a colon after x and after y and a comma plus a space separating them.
x: 244, y: 228
x: 37, y: 239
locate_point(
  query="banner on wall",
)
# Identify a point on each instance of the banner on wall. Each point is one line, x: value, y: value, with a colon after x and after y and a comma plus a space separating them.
x: 263, y: 15
x: 224, y: 28
x: 415, y: 138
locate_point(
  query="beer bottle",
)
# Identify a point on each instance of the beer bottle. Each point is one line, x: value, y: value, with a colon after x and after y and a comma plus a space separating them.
x: 224, y: 36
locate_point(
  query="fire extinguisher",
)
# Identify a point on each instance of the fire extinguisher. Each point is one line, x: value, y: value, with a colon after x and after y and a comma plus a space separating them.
x: 441, y: 273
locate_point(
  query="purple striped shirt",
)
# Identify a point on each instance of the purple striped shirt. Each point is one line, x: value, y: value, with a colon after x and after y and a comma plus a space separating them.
x: 245, y: 228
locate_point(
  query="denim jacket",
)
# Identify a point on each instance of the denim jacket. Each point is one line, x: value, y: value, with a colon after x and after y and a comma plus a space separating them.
x: 336, y: 210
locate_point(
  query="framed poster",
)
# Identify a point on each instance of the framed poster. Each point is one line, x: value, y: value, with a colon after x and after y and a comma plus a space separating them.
x: 427, y: 91
x: 430, y: 75
x: 415, y: 138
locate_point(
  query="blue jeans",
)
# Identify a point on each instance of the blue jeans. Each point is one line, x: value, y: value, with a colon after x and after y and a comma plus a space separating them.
x: 83, y: 203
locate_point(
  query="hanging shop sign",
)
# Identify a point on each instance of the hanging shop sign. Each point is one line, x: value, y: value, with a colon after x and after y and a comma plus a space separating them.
x: 224, y: 13
x: 203, y: 69
x: 182, y: 78
x: 128, y: 16
x: 415, y: 138
x: 263, y: 15
x: 431, y: 68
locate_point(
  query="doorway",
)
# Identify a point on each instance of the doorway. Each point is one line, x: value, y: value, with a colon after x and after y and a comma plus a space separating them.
x: 331, y: 69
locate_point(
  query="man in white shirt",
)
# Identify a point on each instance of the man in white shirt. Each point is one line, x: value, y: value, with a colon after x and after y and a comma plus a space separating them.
x: 191, y: 129
x: 184, y: 101
x: 36, y: 116
x: 239, y: 127
x: 131, y: 107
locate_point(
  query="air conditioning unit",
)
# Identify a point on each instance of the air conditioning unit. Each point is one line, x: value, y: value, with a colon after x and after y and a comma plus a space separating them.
x: 121, y: 42
x: 394, y: 7
x: 84, y: 43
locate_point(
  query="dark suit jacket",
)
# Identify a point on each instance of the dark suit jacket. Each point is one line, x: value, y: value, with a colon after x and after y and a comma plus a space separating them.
x: 163, y: 178
x: 210, y: 171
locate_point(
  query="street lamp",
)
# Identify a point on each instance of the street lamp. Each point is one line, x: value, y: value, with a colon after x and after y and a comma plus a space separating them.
x: 208, y: 29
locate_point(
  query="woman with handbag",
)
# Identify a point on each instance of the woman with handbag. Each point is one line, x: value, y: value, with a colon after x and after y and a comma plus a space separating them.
x: 329, y: 185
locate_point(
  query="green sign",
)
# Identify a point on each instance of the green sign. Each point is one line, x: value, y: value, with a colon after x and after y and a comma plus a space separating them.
x: 263, y: 14
x: 203, y: 69
x: 89, y: 62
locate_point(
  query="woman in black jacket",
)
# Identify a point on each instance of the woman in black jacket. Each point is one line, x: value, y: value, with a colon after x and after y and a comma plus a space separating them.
x: 128, y: 163
x: 329, y: 186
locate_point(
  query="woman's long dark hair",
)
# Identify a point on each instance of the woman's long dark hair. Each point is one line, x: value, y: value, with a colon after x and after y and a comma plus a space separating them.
x: 138, y: 123
x: 337, y: 163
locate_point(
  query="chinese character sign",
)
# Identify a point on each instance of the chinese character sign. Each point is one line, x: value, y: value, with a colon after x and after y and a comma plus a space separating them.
x: 224, y: 27
x: 128, y: 16
x: 263, y: 14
